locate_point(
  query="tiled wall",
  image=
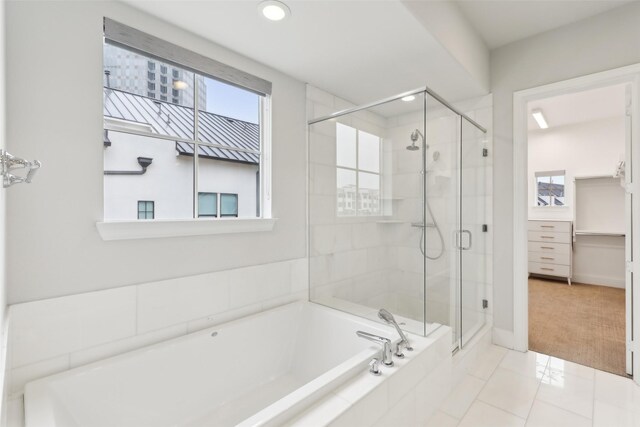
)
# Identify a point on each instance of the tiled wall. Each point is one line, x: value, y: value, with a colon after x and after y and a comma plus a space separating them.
x: 53, y: 335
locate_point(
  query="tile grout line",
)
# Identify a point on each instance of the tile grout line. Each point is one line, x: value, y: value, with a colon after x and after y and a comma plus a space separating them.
x: 546, y: 369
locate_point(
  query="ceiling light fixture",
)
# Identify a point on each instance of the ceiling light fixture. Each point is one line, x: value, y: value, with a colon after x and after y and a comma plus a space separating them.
x: 274, y: 10
x: 408, y: 98
x: 539, y: 118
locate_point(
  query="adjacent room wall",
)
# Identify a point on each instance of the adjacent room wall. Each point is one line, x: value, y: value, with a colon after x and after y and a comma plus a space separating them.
x: 583, y: 149
x: 54, y: 61
x: 596, y: 44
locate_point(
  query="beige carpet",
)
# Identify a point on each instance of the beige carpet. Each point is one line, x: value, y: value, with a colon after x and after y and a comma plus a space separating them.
x: 584, y: 324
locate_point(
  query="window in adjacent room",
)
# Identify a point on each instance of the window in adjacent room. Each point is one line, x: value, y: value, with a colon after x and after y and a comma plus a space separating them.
x: 550, y: 188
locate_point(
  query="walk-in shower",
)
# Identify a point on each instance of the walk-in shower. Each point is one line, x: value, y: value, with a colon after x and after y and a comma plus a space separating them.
x: 398, y: 212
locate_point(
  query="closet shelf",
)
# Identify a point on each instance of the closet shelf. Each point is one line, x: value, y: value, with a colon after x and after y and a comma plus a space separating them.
x: 599, y: 233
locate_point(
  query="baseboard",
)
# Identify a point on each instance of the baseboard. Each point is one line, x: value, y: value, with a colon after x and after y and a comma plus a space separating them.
x: 4, y: 345
x: 599, y: 280
x: 503, y: 338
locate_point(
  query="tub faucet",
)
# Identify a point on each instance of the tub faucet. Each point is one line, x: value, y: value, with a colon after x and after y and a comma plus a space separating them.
x: 404, y: 342
x: 387, y: 357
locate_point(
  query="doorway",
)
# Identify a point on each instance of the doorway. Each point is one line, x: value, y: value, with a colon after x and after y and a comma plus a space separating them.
x: 573, y: 234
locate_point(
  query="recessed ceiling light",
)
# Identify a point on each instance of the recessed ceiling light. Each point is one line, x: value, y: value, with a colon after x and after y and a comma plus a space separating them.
x: 539, y: 118
x: 408, y: 98
x: 274, y: 10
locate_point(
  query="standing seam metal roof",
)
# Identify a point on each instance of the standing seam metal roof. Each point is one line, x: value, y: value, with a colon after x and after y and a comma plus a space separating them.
x: 175, y: 120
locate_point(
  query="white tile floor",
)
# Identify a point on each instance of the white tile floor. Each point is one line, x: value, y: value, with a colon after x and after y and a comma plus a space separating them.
x: 509, y: 388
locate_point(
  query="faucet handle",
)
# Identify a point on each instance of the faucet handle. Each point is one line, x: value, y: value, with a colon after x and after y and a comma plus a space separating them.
x: 374, y: 367
x: 398, y: 353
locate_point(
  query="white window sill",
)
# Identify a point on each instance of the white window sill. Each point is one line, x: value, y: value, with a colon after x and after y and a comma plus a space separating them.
x: 157, y: 228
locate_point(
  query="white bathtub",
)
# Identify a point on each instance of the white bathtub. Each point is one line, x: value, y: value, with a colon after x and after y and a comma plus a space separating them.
x: 259, y: 370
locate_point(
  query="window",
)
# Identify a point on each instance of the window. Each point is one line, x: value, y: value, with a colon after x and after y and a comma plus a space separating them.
x: 163, y: 80
x: 229, y: 205
x: 207, y: 204
x: 550, y: 188
x: 151, y: 75
x: 357, y: 172
x: 151, y: 65
x: 145, y: 209
x: 197, y: 156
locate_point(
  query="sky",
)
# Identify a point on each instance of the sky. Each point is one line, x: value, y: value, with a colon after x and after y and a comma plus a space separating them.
x: 230, y: 101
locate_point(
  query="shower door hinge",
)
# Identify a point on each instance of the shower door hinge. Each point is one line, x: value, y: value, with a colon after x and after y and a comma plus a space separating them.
x: 485, y: 228
x: 485, y: 303
x: 485, y: 152
x: 629, y: 266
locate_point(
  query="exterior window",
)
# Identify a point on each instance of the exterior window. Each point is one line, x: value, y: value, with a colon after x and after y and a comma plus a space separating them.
x: 229, y: 205
x: 207, y: 204
x: 151, y: 75
x: 198, y: 147
x: 163, y: 80
x: 145, y: 209
x: 357, y: 172
x: 550, y: 188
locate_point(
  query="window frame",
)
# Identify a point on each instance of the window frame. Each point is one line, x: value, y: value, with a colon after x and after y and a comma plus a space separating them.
x: 146, y: 211
x: 221, y: 215
x: 217, y: 202
x: 536, y: 194
x: 357, y: 171
x: 135, y: 41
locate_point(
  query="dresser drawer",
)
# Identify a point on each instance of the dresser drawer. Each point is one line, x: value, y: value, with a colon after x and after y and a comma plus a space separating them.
x: 551, y: 248
x: 549, y: 236
x: 549, y: 269
x: 559, y: 226
x: 550, y: 258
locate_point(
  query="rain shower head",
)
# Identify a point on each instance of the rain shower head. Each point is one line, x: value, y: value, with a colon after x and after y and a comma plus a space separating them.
x: 414, y: 138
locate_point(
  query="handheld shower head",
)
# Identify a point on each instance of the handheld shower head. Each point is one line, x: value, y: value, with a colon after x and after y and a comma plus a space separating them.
x: 388, y: 318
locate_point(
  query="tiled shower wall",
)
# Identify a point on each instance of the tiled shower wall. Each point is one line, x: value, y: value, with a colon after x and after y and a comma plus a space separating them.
x: 53, y: 335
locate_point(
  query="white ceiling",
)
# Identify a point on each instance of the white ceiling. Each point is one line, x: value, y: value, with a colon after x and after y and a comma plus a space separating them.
x: 580, y: 107
x: 364, y: 50
x: 359, y: 50
x: 500, y: 22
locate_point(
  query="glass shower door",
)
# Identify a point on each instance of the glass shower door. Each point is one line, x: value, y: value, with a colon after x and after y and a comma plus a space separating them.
x: 471, y: 238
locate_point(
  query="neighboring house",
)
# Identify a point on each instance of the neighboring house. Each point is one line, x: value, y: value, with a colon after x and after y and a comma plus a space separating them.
x: 228, y: 181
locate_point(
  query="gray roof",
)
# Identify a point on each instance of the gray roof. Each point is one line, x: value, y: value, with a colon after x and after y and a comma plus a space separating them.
x: 175, y: 120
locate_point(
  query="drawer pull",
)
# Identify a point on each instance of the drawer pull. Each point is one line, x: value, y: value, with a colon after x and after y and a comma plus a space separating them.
x: 546, y: 247
x: 548, y: 269
x: 546, y: 257
x: 547, y: 237
x: 547, y: 226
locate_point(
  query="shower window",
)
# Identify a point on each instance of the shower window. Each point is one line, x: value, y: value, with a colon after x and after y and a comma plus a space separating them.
x: 212, y: 138
x: 357, y: 172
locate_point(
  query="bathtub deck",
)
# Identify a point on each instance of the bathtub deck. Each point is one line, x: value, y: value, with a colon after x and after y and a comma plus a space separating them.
x: 235, y: 411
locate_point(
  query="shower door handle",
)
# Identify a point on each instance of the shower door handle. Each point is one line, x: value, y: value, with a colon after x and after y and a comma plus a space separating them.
x: 459, y: 234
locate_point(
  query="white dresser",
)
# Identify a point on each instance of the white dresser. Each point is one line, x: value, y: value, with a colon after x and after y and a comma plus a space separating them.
x: 550, y: 248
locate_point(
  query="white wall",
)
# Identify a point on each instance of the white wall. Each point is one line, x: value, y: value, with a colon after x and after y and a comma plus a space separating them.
x: 54, y: 63
x: 3, y: 291
x: 592, y: 45
x: 584, y: 149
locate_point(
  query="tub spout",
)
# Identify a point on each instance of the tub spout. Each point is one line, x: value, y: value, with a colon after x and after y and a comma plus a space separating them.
x: 387, y: 357
x: 388, y: 317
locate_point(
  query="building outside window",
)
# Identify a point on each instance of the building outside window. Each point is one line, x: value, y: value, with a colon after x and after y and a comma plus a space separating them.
x: 211, y: 167
x: 146, y: 209
x: 550, y: 188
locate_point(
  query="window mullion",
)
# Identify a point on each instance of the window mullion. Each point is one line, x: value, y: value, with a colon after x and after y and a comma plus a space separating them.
x: 196, y: 147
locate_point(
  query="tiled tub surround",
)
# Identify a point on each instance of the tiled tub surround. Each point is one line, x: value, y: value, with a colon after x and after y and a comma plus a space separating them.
x: 258, y: 370
x: 57, y: 334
